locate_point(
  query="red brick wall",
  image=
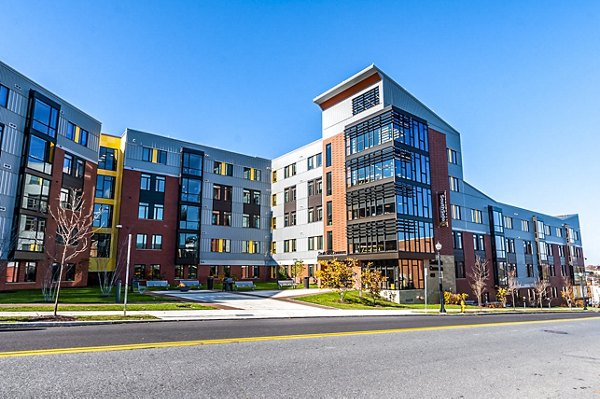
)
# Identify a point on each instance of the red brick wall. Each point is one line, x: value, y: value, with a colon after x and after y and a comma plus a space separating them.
x: 438, y: 162
x: 338, y: 197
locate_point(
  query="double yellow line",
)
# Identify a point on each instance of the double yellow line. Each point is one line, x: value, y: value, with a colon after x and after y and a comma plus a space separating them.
x: 173, y: 344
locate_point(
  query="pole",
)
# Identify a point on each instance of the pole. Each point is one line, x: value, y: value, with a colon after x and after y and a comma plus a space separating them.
x: 583, y: 282
x: 127, y: 274
x: 442, y: 307
x: 426, y: 276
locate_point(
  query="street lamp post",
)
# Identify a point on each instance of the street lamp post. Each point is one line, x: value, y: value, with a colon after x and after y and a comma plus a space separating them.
x: 583, y: 283
x: 126, y: 271
x: 438, y: 248
x: 426, y: 276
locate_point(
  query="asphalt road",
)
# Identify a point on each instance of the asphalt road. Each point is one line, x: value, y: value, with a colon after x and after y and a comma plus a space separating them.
x: 555, y: 359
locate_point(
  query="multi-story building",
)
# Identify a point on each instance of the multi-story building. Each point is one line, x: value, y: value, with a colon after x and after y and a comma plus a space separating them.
x: 297, y: 205
x: 382, y: 185
x: 49, y: 151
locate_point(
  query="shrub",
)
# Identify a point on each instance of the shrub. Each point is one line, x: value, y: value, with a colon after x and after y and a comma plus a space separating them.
x: 454, y: 299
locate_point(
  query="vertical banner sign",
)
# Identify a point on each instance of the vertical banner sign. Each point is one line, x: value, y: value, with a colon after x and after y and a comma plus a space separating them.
x: 443, y: 209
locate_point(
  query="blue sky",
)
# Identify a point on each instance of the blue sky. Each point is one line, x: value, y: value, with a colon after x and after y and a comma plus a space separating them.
x: 519, y: 79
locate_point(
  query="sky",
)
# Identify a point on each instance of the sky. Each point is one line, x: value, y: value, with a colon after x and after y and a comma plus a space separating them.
x: 520, y: 80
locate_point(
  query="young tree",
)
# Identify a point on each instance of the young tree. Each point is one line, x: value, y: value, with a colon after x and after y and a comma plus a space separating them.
x: 107, y: 276
x: 296, y: 269
x: 567, y: 292
x: 501, y: 294
x: 478, y: 277
x: 513, y: 285
x: 371, y: 280
x: 73, y: 232
x: 541, y: 285
x: 337, y: 275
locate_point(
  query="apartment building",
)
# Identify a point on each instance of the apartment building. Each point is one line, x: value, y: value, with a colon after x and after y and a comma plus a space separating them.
x: 48, y: 152
x: 382, y: 185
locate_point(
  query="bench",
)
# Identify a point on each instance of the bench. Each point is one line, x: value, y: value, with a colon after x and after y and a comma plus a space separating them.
x: 243, y: 284
x: 157, y: 284
x: 285, y: 283
x: 192, y: 284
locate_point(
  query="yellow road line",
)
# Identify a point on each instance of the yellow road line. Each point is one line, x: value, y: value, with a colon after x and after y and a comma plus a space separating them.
x: 173, y: 344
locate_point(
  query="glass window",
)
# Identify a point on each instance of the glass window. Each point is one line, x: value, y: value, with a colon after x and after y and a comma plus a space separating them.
x: 143, y: 210
x: 365, y: 101
x: 246, y: 196
x: 458, y: 239
x: 102, y: 215
x: 329, y: 213
x: 454, y: 184
x: 220, y: 245
x: 191, y: 189
x: 158, y: 211
x: 328, y: 184
x: 3, y: 96
x: 65, y: 198
x: 328, y: 155
x: 161, y: 156
x: 147, y: 154
x: 189, y: 217
x: 140, y: 241
x: 105, y: 187
x: 155, y: 269
x: 107, y: 159
x: 508, y: 222
x: 100, y: 247
x: 44, y: 118
x: 35, y: 193
x: 68, y: 164
x: 159, y: 185
x: 79, y: 168
x: 30, y: 272
x: 83, y: 137
x: 39, y: 156
x: 192, y: 164
x: 455, y: 210
x: 145, y: 182
x: 256, y: 197
x: 71, y: 128
x: 187, y: 246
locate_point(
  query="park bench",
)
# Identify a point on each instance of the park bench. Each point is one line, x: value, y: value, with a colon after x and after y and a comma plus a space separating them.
x: 243, y: 284
x: 157, y: 284
x: 285, y: 283
x: 192, y: 284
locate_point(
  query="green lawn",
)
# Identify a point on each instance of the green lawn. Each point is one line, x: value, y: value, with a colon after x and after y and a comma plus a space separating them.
x: 352, y: 301
x: 107, y: 307
x: 77, y: 295
x: 21, y: 319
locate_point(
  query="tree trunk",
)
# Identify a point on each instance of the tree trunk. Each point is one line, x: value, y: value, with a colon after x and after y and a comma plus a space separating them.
x: 60, y: 272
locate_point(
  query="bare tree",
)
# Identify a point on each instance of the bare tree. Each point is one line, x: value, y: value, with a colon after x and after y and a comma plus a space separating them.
x: 107, y: 276
x: 541, y: 285
x: 478, y: 277
x: 567, y: 292
x: 513, y: 285
x: 73, y: 233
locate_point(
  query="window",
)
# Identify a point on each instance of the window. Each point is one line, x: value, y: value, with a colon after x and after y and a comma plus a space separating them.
x: 140, y: 241
x: 289, y: 194
x: 289, y: 171
x: 273, y: 223
x: 83, y: 137
x: 35, y: 193
x: 454, y: 184
x: 251, y: 247
x: 191, y: 189
x: 318, y: 213
x: 547, y: 230
x: 458, y: 239
x: 145, y: 182
x: 329, y: 213
x: 143, y: 210
x: 452, y: 156
x: 100, y: 247
x: 187, y: 245
x: 256, y: 197
x: 330, y: 241
x: 44, y: 118
x: 71, y: 128
x: 314, y: 162
x: 478, y: 242
x: 40, y: 154
x: 139, y: 272
x: 273, y: 247
x: 455, y: 210
x: 155, y: 270
x: 192, y: 164
x: 157, y: 241
x: 460, y: 268
x: 510, y: 245
x: 527, y: 247
x: 31, y: 233
x: 529, y: 269
x: 1, y: 134
x: 147, y: 154
x: 476, y: 216
x: 315, y: 243
x: 246, y: 220
x: 274, y: 176
x: 508, y: 222
x: 220, y: 245
x: 3, y: 96
x: 189, y: 217
x: 68, y: 164
x: 365, y: 101
x: 30, y: 272
x: 223, y: 168
x: 102, y: 216
x: 107, y: 159
x: 559, y: 232
x: 79, y: 168
x: 252, y: 174
x: 328, y: 155
x: 289, y: 245
x: 311, y: 215
x: 161, y: 156
x: 159, y: 184
x: 328, y: 184
x: 274, y: 199
x: 105, y: 187
x: 246, y: 196
x: 524, y: 225
x: 158, y: 211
